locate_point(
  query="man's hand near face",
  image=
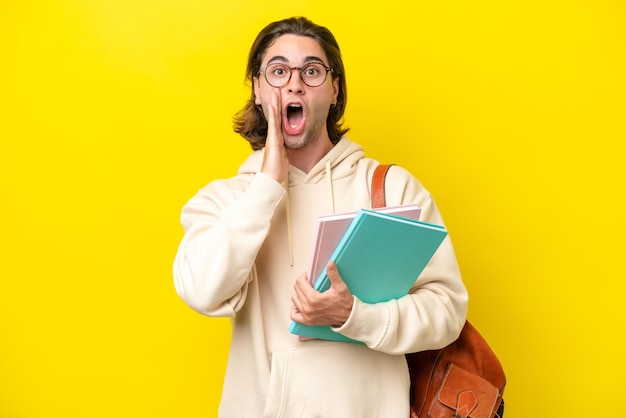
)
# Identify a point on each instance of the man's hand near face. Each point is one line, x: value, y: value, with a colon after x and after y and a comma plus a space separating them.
x: 275, y: 162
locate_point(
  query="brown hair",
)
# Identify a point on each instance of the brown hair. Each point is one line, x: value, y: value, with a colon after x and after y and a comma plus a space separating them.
x: 249, y: 122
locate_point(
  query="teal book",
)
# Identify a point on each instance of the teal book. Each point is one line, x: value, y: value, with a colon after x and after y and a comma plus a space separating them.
x: 379, y: 257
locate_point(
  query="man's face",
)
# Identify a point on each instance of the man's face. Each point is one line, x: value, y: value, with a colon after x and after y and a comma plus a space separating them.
x: 304, y: 109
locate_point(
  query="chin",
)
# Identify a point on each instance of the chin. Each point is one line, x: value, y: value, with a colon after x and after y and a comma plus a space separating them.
x: 297, y: 142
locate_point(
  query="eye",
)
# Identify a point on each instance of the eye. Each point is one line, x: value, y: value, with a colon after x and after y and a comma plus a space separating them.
x: 279, y: 70
x: 312, y: 70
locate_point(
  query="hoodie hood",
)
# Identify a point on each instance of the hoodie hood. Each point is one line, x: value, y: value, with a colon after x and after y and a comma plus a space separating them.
x: 338, y: 163
x: 342, y: 159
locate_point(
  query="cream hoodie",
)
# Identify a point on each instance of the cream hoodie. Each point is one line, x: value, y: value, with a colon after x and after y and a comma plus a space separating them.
x: 248, y: 238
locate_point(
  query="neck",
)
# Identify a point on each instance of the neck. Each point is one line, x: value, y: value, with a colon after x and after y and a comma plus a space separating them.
x: 305, y: 158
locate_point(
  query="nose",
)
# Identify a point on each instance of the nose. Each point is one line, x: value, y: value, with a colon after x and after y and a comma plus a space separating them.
x: 295, y: 83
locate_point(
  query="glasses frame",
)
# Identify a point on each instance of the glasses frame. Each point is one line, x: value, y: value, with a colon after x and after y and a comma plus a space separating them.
x: 328, y: 70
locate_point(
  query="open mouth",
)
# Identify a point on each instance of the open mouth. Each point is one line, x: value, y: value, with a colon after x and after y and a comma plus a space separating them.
x: 295, y: 115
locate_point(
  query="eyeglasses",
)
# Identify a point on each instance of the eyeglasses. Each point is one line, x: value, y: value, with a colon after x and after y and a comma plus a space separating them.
x: 313, y: 74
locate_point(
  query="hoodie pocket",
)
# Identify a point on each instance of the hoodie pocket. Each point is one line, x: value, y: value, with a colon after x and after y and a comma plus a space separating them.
x: 337, y: 380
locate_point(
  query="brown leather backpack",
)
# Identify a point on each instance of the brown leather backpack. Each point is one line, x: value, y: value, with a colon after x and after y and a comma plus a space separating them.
x: 462, y: 380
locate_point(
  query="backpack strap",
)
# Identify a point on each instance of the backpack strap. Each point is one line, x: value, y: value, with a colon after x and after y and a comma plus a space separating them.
x: 378, y: 201
x: 378, y: 186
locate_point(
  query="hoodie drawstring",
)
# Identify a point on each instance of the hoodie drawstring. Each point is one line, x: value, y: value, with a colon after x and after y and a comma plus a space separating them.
x: 331, y: 199
x: 289, y: 233
x: 329, y: 183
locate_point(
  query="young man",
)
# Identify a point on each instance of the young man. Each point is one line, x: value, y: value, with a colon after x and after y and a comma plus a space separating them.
x: 248, y: 239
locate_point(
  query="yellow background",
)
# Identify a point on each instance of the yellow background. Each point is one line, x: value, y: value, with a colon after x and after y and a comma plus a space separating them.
x: 113, y: 113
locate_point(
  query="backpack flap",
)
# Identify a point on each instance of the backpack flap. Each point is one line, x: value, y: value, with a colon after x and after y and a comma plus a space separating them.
x: 465, y: 394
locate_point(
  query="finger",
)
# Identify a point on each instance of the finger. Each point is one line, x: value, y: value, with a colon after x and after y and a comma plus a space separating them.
x: 275, y: 162
x: 295, y: 314
x: 333, y: 274
x: 295, y: 302
x: 299, y: 294
x: 302, y: 288
x: 274, y: 119
x: 297, y: 309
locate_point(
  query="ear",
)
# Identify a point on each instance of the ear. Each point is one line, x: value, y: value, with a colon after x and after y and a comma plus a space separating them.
x: 257, y: 96
x: 335, y: 90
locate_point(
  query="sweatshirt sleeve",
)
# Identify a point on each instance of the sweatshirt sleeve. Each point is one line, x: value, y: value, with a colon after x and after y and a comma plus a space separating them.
x: 225, y: 227
x: 432, y: 315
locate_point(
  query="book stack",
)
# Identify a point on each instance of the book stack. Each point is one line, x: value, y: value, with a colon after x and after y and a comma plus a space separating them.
x: 379, y: 254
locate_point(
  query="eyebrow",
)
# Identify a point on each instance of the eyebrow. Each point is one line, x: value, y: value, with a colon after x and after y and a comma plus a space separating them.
x: 308, y: 59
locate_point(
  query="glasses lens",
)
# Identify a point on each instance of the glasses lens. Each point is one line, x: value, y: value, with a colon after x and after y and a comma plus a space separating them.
x: 313, y: 74
x: 277, y: 74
